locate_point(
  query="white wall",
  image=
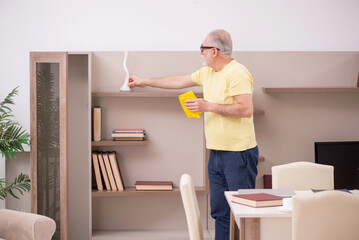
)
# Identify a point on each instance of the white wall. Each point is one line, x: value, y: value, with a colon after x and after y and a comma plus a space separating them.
x: 13, y: 168
x: 141, y: 25
x: 277, y: 25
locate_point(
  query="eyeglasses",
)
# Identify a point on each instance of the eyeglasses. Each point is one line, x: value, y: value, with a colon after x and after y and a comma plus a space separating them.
x: 207, y: 47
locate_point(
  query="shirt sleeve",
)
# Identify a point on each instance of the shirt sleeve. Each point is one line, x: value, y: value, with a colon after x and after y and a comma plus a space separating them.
x: 197, y: 77
x: 240, y: 82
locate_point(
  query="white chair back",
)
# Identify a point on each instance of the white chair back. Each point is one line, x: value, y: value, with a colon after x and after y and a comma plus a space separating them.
x: 329, y: 215
x: 303, y: 176
x: 190, y: 204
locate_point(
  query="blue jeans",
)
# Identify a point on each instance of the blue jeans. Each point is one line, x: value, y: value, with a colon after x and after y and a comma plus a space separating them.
x: 229, y: 171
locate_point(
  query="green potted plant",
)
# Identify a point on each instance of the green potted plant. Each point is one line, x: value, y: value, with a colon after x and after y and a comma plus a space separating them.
x: 12, y: 138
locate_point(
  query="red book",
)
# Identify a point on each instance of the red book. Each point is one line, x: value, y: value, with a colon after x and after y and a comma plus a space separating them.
x: 154, y: 185
x: 267, y: 180
x: 258, y: 200
x: 129, y: 134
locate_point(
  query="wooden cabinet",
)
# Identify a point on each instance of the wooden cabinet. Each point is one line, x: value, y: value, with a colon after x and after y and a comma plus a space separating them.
x: 60, y: 128
x: 311, y: 90
x: 167, y: 138
x: 174, y: 145
x: 49, y: 153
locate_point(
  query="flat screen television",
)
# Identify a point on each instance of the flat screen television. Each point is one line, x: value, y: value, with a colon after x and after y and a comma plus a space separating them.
x: 344, y: 156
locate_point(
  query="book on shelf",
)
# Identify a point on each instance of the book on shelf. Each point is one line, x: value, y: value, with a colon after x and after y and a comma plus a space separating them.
x: 96, y: 123
x: 154, y: 185
x: 129, y: 130
x: 116, y: 171
x: 267, y: 180
x: 133, y: 134
x: 104, y: 171
x: 119, y: 135
x: 93, y: 178
x: 258, y: 200
x: 96, y: 169
x: 111, y: 178
x: 128, y: 138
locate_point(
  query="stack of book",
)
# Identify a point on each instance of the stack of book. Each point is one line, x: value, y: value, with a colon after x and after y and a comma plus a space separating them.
x: 128, y: 134
x: 107, y: 171
x: 154, y: 185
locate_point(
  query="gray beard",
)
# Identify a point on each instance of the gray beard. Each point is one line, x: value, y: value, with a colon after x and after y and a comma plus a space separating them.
x: 204, y: 62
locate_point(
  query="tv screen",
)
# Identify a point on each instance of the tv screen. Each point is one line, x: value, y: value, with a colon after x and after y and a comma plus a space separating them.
x: 344, y: 156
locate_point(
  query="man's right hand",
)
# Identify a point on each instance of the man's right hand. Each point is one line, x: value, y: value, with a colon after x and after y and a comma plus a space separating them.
x: 135, y: 81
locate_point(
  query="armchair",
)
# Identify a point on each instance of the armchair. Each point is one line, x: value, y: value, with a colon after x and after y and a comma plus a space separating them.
x: 15, y: 225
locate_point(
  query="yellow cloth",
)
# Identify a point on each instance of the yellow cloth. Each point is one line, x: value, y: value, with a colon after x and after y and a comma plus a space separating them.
x: 225, y: 133
x: 182, y: 98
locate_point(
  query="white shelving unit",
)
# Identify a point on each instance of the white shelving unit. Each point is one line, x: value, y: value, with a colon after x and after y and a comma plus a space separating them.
x: 311, y: 90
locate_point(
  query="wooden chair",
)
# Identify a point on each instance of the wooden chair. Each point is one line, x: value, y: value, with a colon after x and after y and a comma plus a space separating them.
x: 303, y: 176
x: 329, y: 215
x: 191, y: 208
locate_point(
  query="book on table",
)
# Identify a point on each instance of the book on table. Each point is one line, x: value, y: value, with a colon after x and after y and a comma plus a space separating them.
x: 154, y: 185
x: 321, y: 190
x: 258, y: 200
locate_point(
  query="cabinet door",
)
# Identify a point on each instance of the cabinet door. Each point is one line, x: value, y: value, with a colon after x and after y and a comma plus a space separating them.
x: 48, y: 102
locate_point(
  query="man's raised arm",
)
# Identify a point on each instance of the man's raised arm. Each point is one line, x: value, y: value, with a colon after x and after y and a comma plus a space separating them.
x: 170, y: 82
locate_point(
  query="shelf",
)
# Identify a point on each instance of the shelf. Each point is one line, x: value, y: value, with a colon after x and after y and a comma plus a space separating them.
x: 145, y: 234
x: 132, y: 192
x: 312, y: 90
x: 109, y: 143
x: 164, y: 94
x: 258, y: 112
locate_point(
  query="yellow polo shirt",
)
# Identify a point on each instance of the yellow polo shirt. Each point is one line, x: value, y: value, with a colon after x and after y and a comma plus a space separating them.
x: 225, y: 133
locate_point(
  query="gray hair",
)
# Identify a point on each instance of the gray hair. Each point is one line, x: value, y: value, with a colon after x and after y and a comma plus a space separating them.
x: 222, y: 40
